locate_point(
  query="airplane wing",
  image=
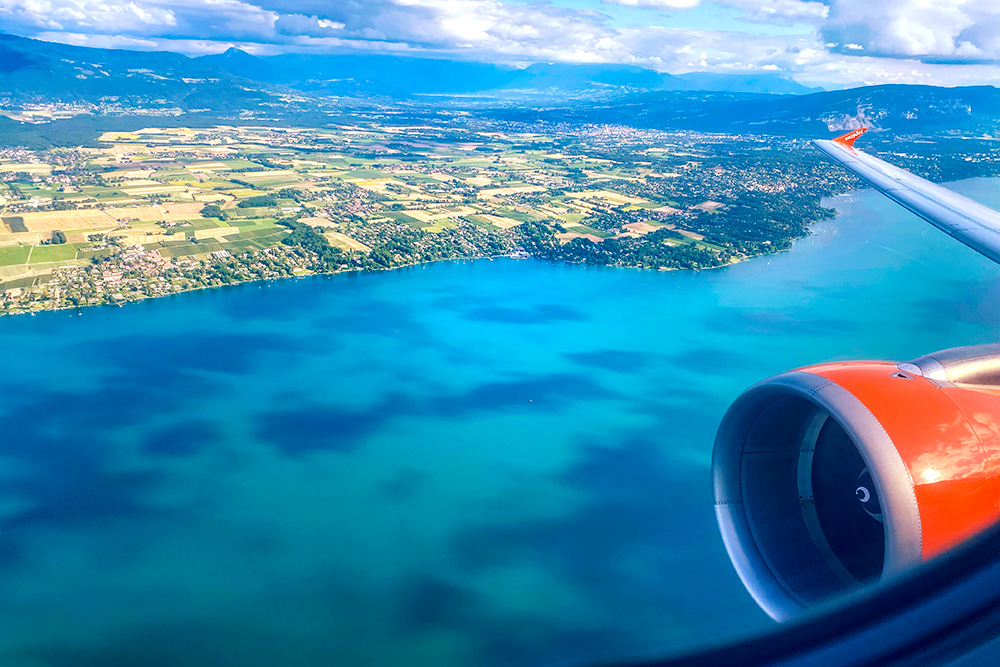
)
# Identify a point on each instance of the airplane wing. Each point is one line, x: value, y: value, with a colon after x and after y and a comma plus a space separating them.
x: 970, y: 222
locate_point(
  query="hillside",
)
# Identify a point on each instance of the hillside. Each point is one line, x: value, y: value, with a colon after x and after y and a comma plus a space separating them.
x: 404, y: 76
x: 235, y: 82
x: 901, y: 109
x: 37, y: 71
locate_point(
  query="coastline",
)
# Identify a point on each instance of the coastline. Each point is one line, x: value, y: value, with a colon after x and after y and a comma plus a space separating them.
x: 358, y: 271
x: 236, y: 283
x: 733, y: 261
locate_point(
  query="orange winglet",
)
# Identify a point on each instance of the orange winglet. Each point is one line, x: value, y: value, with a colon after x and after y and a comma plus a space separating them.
x: 848, y: 139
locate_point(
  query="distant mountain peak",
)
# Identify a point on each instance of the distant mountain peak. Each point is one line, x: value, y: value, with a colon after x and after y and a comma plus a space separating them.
x: 751, y: 82
x: 238, y: 62
x: 235, y: 52
x: 96, y: 75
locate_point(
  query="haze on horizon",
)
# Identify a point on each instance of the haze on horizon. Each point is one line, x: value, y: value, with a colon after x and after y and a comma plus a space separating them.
x: 830, y: 43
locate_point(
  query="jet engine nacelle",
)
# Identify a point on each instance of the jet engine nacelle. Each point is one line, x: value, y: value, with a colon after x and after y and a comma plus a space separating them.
x: 836, y: 475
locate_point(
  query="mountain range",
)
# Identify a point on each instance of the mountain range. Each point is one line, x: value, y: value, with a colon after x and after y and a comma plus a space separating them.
x: 289, y: 86
x: 34, y: 70
x: 404, y: 76
x: 898, y: 108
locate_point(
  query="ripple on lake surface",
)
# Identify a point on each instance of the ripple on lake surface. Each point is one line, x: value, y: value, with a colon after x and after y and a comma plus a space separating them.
x: 471, y: 463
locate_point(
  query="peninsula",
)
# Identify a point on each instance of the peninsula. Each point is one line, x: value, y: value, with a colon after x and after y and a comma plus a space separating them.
x: 157, y: 211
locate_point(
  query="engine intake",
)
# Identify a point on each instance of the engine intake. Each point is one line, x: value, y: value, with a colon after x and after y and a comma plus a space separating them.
x: 833, y: 476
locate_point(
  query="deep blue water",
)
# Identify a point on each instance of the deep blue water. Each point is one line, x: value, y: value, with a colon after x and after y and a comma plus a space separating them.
x: 485, y: 463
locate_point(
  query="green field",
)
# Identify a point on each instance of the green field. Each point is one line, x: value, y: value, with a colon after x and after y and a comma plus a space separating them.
x: 584, y: 229
x: 520, y: 216
x: 265, y: 232
x: 367, y: 174
x: 240, y: 163
x: 252, y: 224
x: 440, y: 225
x: 206, y: 223
x: 101, y: 191
x: 399, y: 216
x: 53, y: 253
x: 252, y: 211
x: 14, y: 255
x: 479, y: 221
x: 337, y: 176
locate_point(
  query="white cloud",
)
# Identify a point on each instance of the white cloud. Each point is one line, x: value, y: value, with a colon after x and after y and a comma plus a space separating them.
x: 191, y: 47
x: 965, y: 30
x: 779, y: 11
x: 850, y: 43
x: 138, y: 18
x: 123, y: 15
x: 311, y: 26
x: 661, y: 4
x: 772, y: 11
x: 99, y: 41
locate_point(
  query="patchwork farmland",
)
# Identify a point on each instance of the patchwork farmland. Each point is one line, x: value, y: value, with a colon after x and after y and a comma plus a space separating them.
x: 345, y: 198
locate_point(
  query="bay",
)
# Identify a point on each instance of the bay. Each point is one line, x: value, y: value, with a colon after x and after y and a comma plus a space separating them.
x: 468, y: 463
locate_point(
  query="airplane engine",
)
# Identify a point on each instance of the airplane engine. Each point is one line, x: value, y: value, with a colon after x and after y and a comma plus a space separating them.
x: 836, y: 475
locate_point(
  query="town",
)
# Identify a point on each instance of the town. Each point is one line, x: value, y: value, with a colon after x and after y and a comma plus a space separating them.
x: 163, y: 210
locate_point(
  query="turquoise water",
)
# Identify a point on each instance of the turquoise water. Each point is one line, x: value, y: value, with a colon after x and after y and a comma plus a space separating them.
x: 497, y: 462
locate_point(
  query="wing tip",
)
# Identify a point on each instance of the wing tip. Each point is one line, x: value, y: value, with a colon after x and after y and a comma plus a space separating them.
x: 849, y: 138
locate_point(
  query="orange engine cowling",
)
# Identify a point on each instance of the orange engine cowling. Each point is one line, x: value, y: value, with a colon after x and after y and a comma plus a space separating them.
x: 832, y: 476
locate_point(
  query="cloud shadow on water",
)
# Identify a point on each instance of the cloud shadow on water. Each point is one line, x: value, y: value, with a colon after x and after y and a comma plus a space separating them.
x: 618, y: 361
x: 300, y: 430
x: 637, y: 506
x: 431, y: 604
x: 295, y: 432
x: 66, y: 478
x: 711, y: 361
x: 182, y: 439
x: 475, y: 307
x: 541, y: 314
x: 147, y: 357
x: 975, y: 302
x: 67, y: 464
x: 790, y: 321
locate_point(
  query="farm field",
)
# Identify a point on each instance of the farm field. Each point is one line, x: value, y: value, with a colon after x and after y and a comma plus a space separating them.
x: 380, y: 196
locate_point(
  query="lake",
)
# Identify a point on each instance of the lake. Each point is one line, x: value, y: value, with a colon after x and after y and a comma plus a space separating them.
x: 469, y: 463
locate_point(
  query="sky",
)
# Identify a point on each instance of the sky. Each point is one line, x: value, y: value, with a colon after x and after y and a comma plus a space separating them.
x: 831, y: 43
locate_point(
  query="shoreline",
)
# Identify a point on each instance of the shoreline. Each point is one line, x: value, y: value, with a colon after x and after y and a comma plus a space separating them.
x: 238, y: 283
x: 360, y: 271
x: 81, y: 308
x: 733, y: 262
